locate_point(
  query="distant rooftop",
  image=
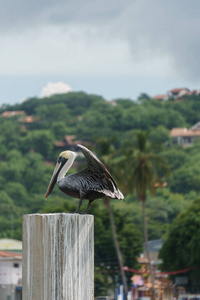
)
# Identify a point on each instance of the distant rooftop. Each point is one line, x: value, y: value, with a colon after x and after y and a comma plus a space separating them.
x: 9, y: 254
x: 178, y: 90
x: 12, y: 113
x: 175, y: 132
x: 10, y: 245
x: 161, y: 97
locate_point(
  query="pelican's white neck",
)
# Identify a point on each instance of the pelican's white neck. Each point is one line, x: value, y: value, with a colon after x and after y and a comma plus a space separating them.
x: 67, y: 165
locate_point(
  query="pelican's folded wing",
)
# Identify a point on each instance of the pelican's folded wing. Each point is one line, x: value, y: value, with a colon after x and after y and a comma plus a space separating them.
x: 96, y: 167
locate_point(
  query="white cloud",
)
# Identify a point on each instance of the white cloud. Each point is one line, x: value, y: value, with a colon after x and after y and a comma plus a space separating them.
x: 55, y: 88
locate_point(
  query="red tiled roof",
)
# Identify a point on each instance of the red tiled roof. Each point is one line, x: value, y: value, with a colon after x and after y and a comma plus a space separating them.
x: 175, y: 132
x: 178, y: 90
x: 9, y: 254
x: 12, y: 113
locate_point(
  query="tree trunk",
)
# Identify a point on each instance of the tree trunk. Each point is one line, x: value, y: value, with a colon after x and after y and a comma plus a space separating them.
x: 147, y: 249
x: 107, y: 201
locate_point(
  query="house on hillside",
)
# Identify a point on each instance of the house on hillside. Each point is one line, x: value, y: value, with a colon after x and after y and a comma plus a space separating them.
x: 176, y: 94
x: 10, y: 275
x: 179, y: 92
x: 185, y: 137
x: 161, y: 97
x: 13, y: 113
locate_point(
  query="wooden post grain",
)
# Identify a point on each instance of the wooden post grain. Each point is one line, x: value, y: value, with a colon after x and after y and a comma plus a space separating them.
x: 58, y: 257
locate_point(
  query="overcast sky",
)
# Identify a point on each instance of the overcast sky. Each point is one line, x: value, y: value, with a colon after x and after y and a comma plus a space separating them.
x: 113, y: 48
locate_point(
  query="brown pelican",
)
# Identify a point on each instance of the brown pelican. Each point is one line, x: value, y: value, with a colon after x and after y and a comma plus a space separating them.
x: 91, y: 183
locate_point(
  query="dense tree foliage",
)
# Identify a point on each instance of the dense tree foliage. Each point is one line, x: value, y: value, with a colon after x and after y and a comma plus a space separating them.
x: 27, y: 151
x: 28, y: 154
x: 181, y: 248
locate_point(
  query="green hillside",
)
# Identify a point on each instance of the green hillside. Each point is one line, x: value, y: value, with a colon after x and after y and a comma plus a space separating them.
x: 28, y: 151
x: 29, y: 148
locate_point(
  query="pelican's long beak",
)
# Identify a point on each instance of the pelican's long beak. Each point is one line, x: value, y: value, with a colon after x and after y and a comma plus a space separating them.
x: 64, y: 162
x: 53, y: 179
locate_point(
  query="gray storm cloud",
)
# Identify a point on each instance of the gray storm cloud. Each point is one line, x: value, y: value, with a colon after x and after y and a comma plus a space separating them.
x: 151, y: 28
x: 15, y: 15
x: 168, y: 28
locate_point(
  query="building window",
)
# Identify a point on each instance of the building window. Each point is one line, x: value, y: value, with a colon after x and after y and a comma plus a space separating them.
x: 16, y: 265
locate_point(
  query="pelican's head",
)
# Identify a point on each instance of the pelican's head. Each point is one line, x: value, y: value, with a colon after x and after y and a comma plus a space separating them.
x: 64, y: 162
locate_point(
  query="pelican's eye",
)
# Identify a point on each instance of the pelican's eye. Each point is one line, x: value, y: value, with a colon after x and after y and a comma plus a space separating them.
x: 59, y: 158
x: 62, y: 159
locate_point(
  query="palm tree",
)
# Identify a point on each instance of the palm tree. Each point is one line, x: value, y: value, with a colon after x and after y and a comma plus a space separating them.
x: 106, y: 150
x: 116, y: 243
x: 145, y: 169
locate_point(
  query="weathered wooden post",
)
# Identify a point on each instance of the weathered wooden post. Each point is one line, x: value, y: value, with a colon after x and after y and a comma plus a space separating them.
x: 58, y: 257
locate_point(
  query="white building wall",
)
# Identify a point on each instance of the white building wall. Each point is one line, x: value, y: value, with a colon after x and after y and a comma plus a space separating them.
x: 10, y: 272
